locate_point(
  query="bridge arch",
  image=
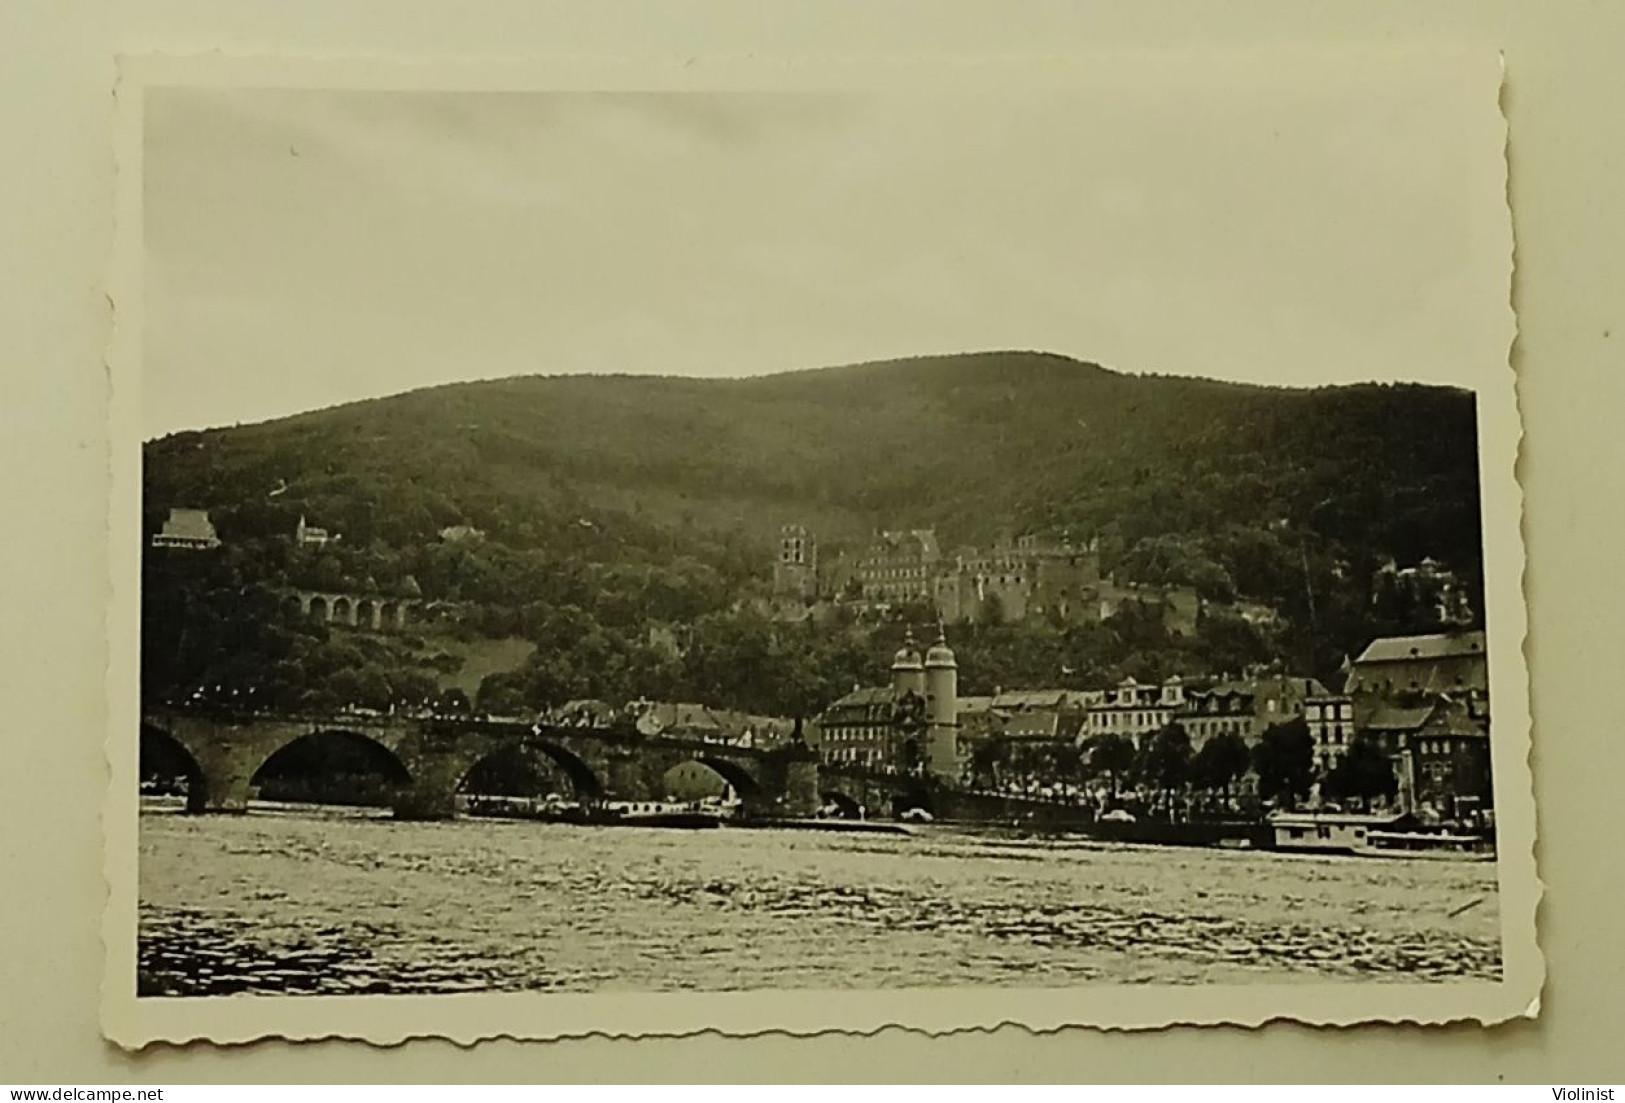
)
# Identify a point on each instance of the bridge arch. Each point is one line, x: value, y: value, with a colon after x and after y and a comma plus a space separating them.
x: 332, y: 765
x: 581, y: 775
x: 343, y: 610
x: 583, y: 779
x: 743, y: 782
x: 366, y: 612
x: 164, y: 758
x: 318, y: 609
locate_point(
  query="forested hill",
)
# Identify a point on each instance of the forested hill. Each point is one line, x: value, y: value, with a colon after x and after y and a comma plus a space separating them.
x: 614, y: 506
x: 973, y: 445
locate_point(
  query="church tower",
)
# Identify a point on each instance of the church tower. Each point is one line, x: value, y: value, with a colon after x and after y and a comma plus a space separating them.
x: 907, y: 669
x: 942, y: 708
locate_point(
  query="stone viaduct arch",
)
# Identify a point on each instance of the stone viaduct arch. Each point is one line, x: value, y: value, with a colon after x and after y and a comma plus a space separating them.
x: 381, y: 614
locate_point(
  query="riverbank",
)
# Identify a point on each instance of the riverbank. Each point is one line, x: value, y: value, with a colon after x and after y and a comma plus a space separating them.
x: 1221, y: 835
x: 836, y: 826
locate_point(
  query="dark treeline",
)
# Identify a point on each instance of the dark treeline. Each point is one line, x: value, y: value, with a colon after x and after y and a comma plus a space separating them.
x: 1167, y: 764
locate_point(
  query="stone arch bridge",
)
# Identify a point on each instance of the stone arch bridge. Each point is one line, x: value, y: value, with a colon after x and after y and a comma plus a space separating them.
x: 226, y: 750
x: 357, y: 610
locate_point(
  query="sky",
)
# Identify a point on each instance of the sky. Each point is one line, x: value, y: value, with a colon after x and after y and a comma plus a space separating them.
x: 305, y: 248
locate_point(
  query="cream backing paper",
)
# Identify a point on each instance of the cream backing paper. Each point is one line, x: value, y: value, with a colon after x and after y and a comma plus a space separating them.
x: 1485, y: 268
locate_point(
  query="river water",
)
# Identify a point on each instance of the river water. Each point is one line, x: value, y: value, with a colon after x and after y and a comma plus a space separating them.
x: 326, y: 901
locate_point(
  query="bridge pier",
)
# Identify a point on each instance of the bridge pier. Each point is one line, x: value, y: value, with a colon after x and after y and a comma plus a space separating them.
x: 627, y: 778
x: 433, y: 792
x: 223, y: 781
x: 801, y: 786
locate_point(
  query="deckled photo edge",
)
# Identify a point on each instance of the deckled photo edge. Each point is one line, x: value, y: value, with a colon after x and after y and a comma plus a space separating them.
x: 386, y: 1020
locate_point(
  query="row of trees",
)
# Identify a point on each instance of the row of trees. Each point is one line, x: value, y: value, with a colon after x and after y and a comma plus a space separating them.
x: 1165, y: 763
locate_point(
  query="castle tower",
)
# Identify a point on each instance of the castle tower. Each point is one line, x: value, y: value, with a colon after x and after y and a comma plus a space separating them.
x: 907, y: 669
x: 942, y: 708
x: 795, y: 570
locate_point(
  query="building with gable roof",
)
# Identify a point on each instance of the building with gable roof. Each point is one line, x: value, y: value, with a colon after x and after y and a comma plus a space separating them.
x: 187, y: 528
x: 1041, y: 725
x: 309, y: 535
x: 1247, y: 706
x: 1448, y: 756
x: 1227, y: 708
x: 1135, y: 710
x: 858, y: 728
x: 1440, y: 662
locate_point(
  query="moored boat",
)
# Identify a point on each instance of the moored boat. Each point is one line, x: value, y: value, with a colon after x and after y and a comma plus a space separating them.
x: 611, y: 814
x: 654, y: 814
x: 1328, y: 832
x: 1364, y: 835
x: 1427, y: 844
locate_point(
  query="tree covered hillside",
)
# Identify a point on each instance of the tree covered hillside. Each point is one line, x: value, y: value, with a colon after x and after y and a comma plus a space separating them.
x: 633, y: 500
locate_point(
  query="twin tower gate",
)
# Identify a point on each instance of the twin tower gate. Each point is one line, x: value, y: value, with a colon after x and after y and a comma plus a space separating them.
x: 436, y: 754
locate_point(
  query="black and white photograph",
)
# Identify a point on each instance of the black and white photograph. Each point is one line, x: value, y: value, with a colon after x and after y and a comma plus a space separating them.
x: 1009, y: 539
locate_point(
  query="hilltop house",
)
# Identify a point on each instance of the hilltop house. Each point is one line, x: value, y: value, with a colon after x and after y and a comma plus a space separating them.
x: 1431, y: 590
x: 309, y: 535
x: 187, y: 528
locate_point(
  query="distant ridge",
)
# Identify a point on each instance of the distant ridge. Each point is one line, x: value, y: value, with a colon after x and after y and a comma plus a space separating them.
x: 974, y: 444
x: 1035, y: 360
